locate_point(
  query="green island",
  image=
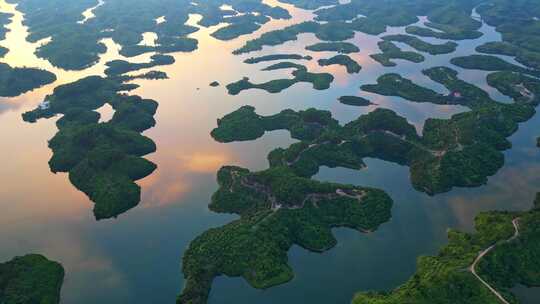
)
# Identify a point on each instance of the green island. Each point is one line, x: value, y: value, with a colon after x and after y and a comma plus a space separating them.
x: 150, y: 75
x: 355, y: 101
x: 423, y: 46
x: 391, y: 51
x: 395, y: 85
x: 244, y: 124
x: 103, y: 159
x: 118, y: 67
x: 240, y: 25
x: 320, y: 81
x: 480, y: 267
x: 490, y: 63
x: 344, y: 60
x: 16, y: 81
x: 253, y: 60
x: 30, y: 279
x: 462, y: 151
x: 523, y: 56
x: 340, y: 47
x: 214, y: 84
x: 277, y: 209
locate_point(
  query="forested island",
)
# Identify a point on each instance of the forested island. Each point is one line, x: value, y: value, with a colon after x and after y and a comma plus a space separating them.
x: 339, y: 47
x: 253, y: 60
x: 30, y: 279
x: 320, y: 81
x: 355, y: 101
x: 103, y: 159
x: 343, y: 60
x: 391, y: 51
x: 277, y: 209
x: 16, y: 81
x: 423, y: 46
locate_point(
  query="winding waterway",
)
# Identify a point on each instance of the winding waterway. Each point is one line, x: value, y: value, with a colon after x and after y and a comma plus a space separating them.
x: 136, y: 258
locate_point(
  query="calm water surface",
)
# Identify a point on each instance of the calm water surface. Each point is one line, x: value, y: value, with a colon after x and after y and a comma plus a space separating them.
x: 136, y: 258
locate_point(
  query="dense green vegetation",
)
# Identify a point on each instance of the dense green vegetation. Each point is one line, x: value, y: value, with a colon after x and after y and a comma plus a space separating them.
x: 240, y: 25
x: 344, y: 60
x: 523, y: 56
x: 118, y: 67
x: 277, y: 209
x: 421, y: 45
x: 244, y: 124
x: 391, y: 51
x: 77, y: 45
x: 103, y: 159
x: 395, y: 85
x: 320, y: 81
x: 253, y: 60
x: 461, y: 151
x: 16, y: 81
x: 447, y: 278
x: 521, y: 88
x: 214, y: 84
x: 30, y: 279
x: 489, y: 63
x: 355, y: 101
x: 340, y: 47
x: 515, y: 20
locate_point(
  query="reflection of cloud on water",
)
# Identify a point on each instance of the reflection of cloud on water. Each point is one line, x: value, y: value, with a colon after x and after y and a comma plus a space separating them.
x: 87, y: 269
x: 204, y: 163
x: 175, y: 176
x: 499, y: 194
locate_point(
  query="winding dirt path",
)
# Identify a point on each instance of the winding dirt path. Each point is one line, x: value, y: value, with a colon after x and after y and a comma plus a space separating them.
x: 472, y: 268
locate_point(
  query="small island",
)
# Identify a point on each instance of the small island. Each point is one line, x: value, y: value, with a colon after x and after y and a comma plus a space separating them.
x: 355, y: 101
x: 391, y: 51
x: 214, y: 84
x: 490, y: 63
x: 320, y: 81
x: 253, y: 60
x: 423, y: 46
x: 17, y: 81
x: 344, y: 60
x: 30, y: 279
x: 340, y: 47
x: 524, y: 56
x: 244, y: 124
x: 119, y: 67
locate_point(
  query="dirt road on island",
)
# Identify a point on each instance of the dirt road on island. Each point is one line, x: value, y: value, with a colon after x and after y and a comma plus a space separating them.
x: 472, y: 268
